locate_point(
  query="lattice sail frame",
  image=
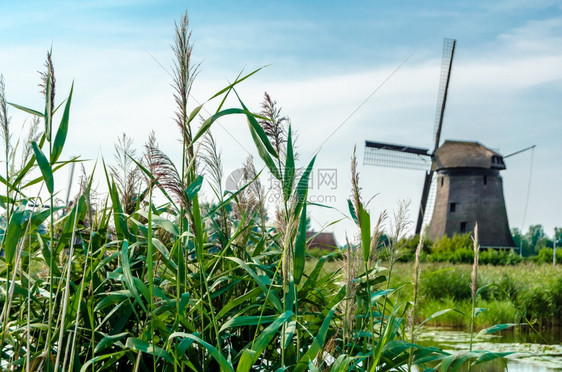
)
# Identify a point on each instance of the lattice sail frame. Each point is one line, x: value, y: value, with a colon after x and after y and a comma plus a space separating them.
x: 396, y: 156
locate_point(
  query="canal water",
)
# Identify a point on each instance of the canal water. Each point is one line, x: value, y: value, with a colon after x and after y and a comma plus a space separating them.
x: 533, y: 351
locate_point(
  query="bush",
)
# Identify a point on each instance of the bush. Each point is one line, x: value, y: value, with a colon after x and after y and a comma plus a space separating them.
x: 448, y: 244
x: 545, y: 256
x: 453, y: 283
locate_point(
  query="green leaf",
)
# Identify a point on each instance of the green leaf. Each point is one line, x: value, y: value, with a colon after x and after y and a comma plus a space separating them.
x: 114, y: 357
x: 352, y: 211
x: 44, y: 166
x: 14, y: 230
x: 216, y: 354
x: 318, y: 342
x: 300, y: 248
x: 194, y: 113
x: 145, y: 347
x: 488, y: 356
x: 436, y: 314
x: 207, y: 123
x: 301, y: 191
x: 271, y: 294
x: 184, y: 301
x: 60, y: 137
x: 162, y: 222
x: 237, y: 81
x: 56, y: 167
x: 249, y: 320
x: 25, y: 170
x: 478, y: 310
x: 232, y: 304
x: 496, y: 328
x: 258, y: 129
x: 250, y: 356
x: 264, y: 154
x: 128, y: 275
x: 289, y: 168
x: 118, y: 216
x: 26, y: 109
x: 483, y: 288
x: 194, y: 188
x: 289, y: 332
x: 365, y: 221
x: 165, y: 254
x: 312, y: 367
x: 108, y: 341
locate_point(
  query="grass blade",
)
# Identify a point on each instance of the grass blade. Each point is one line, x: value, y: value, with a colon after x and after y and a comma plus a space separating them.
x: 62, y: 131
x: 44, y: 166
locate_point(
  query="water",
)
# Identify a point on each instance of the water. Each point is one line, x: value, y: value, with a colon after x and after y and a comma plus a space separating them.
x: 534, y: 351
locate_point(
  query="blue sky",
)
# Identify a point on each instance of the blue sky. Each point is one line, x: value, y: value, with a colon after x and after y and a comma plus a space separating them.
x: 325, y: 58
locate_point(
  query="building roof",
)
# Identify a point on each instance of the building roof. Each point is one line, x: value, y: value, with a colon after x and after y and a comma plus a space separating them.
x: 322, y: 240
x: 466, y: 154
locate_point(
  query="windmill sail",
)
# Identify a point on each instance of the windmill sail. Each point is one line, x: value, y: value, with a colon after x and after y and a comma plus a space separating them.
x: 446, y: 65
x: 396, y: 156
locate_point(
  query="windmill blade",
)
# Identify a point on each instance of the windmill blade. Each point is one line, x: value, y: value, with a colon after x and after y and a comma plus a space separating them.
x: 396, y: 156
x: 423, y: 204
x: 447, y: 63
x: 430, y: 204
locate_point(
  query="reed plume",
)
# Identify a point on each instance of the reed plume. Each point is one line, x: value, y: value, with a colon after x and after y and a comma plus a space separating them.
x: 275, y: 127
x: 4, y: 119
x: 211, y: 162
x: 33, y: 135
x: 48, y: 89
x: 126, y: 174
x: 164, y: 172
x: 184, y: 74
x: 355, y: 189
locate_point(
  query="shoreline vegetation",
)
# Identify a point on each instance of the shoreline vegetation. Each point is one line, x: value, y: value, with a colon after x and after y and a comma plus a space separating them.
x: 122, y: 282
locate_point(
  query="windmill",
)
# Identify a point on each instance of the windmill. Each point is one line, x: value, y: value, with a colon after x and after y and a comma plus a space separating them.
x: 462, y: 178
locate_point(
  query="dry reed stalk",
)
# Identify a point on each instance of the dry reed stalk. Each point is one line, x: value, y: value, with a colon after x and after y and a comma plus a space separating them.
x: 376, y: 239
x: 474, y: 277
x: 412, y: 314
x: 66, y: 290
x: 350, y: 266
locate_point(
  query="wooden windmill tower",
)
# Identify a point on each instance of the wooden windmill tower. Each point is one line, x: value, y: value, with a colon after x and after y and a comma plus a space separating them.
x: 462, y: 178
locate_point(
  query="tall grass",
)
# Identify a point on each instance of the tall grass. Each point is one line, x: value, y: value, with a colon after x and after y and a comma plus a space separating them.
x: 128, y: 283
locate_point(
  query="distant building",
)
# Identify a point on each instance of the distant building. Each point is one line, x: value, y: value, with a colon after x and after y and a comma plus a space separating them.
x: 322, y: 240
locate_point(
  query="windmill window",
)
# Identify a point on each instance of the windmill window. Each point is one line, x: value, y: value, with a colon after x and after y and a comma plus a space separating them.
x: 452, y: 207
x: 463, y: 226
x: 485, y: 180
x: 442, y: 181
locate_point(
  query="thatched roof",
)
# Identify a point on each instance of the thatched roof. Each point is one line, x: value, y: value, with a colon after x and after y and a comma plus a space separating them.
x: 323, y: 240
x: 466, y: 154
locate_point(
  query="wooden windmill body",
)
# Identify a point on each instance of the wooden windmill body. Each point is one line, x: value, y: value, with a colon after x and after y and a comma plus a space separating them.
x: 462, y: 178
